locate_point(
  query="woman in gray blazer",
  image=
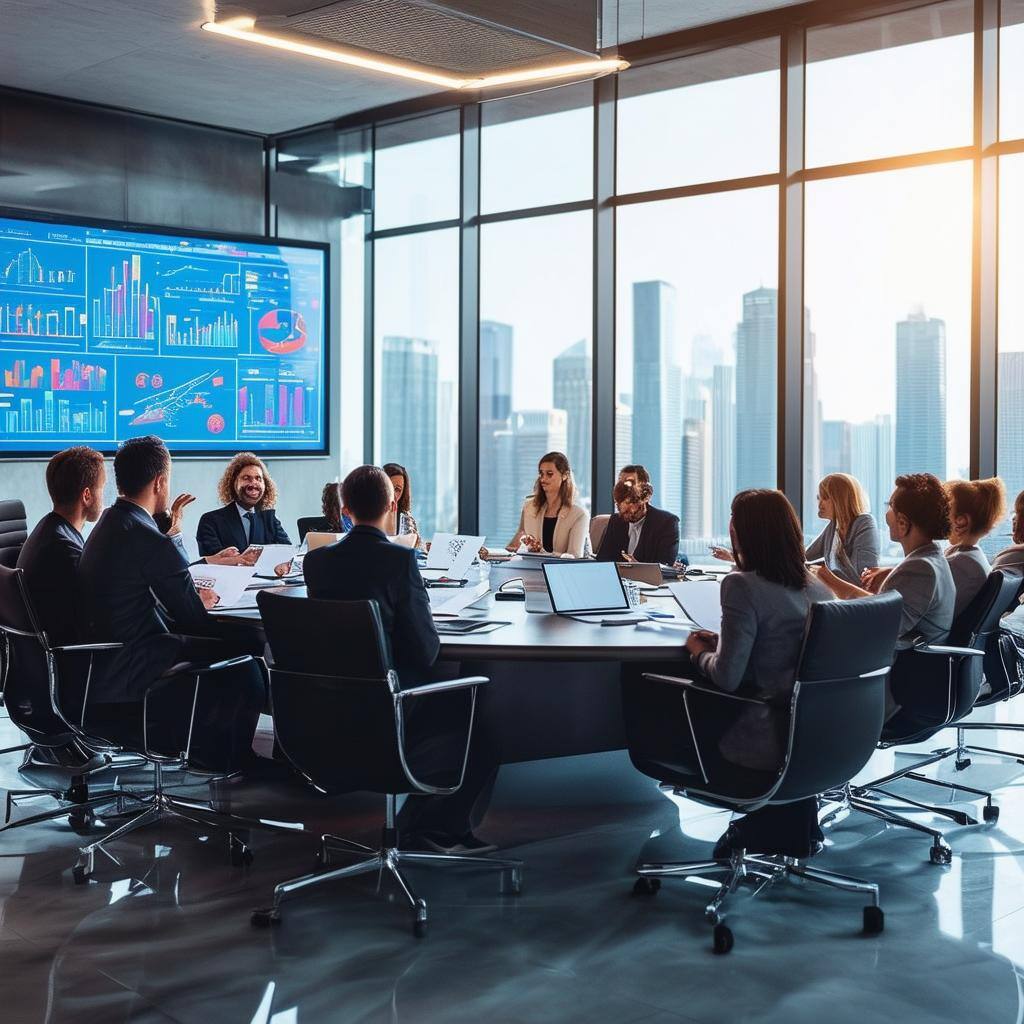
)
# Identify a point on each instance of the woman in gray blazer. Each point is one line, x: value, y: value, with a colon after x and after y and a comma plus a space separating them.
x: 850, y: 543
x: 1012, y: 557
x: 975, y: 506
x: 765, y: 604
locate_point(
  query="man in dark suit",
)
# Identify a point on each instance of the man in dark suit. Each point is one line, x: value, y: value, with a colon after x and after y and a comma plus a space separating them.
x: 75, y: 479
x: 365, y: 565
x: 248, y: 496
x: 638, y: 532
x: 127, y: 567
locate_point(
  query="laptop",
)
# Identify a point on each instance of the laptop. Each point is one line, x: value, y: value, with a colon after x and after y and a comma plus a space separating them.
x: 579, y: 588
x: 642, y: 572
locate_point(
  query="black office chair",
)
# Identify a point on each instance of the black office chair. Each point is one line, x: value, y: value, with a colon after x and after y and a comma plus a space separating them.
x: 42, y: 677
x: 347, y: 732
x: 312, y: 524
x: 835, y: 715
x: 13, y: 531
x: 936, y: 686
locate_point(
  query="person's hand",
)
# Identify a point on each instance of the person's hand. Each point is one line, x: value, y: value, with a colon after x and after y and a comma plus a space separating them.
x: 626, y: 556
x: 481, y: 554
x: 177, y: 512
x: 283, y: 568
x: 229, y: 556
x: 531, y: 543
x: 702, y: 641
x: 209, y: 597
x: 723, y: 554
x: 872, y: 579
x: 250, y: 556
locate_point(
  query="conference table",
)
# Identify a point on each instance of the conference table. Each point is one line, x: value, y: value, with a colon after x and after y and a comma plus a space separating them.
x: 555, y: 681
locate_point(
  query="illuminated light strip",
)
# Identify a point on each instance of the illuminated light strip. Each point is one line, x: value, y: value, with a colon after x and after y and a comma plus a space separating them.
x: 244, y: 30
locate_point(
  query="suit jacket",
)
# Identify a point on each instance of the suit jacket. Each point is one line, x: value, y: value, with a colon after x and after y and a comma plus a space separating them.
x: 848, y: 558
x: 365, y: 565
x: 223, y: 528
x: 127, y: 566
x: 970, y: 568
x: 50, y: 560
x: 759, y: 647
x: 659, y: 538
x: 571, y: 530
x: 925, y: 582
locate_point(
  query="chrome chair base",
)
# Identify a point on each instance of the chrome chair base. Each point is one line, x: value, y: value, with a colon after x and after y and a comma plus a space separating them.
x: 387, y: 858
x: 762, y: 870
x: 966, y: 748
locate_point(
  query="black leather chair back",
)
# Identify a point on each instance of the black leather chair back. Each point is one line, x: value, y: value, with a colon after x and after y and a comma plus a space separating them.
x: 1003, y: 663
x: 936, y: 690
x: 27, y: 695
x: 332, y: 693
x: 13, y: 531
x: 839, y: 696
x: 315, y: 524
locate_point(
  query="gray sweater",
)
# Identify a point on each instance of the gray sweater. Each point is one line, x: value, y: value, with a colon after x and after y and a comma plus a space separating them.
x: 970, y: 569
x: 848, y: 557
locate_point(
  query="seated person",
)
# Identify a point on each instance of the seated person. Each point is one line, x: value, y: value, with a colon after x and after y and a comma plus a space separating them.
x: 75, y: 479
x: 551, y: 520
x: 975, y: 506
x: 850, y: 542
x: 366, y: 566
x: 637, y: 531
x: 402, y: 521
x: 248, y: 496
x: 1012, y: 557
x: 764, y: 612
x: 127, y: 567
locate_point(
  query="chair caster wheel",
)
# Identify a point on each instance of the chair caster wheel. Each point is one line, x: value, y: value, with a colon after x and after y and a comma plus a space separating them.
x: 990, y: 813
x: 419, y: 928
x: 940, y: 854
x: 874, y: 921
x: 265, y: 918
x: 241, y: 855
x: 722, y: 939
x: 79, y: 874
x: 646, y: 886
x: 512, y: 882
x: 81, y: 820
x: 962, y: 764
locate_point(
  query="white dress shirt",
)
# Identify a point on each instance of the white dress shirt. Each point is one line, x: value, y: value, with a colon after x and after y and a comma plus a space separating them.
x: 634, y: 535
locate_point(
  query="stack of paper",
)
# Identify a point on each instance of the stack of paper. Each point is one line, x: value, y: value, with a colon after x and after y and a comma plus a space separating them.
x: 450, y: 601
x: 272, y: 555
x: 228, y: 582
x: 701, y: 603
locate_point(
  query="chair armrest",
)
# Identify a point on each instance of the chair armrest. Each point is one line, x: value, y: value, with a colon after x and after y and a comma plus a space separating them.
x: 443, y: 686
x: 75, y: 648
x: 963, y: 652
x: 690, y: 684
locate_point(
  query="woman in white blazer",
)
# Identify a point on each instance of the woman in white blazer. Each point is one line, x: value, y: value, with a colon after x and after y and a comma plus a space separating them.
x: 551, y: 519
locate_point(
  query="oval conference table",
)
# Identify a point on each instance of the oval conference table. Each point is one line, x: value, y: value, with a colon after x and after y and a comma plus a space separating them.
x: 555, y: 681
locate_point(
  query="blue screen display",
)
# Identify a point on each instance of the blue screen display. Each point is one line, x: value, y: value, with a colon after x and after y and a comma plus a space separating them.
x: 108, y: 334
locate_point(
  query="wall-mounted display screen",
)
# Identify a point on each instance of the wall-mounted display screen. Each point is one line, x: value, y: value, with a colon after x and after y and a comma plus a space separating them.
x: 212, y: 344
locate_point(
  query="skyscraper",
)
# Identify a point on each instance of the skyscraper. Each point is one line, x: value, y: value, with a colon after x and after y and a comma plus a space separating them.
x: 408, y: 434
x: 921, y: 395
x: 495, y: 371
x: 871, y: 462
x: 623, y: 435
x: 447, y: 457
x: 723, y: 446
x: 835, y: 447
x: 696, y: 461
x: 756, y: 355
x: 657, y: 399
x: 572, y: 375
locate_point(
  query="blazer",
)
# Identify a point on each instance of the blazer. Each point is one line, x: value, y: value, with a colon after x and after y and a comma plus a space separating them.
x: 970, y: 568
x: 571, y: 534
x: 50, y: 560
x: 759, y: 648
x: 223, y: 528
x: 367, y: 566
x: 127, y: 566
x: 848, y: 558
x: 925, y: 582
x: 659, y: 538
x: 1010, y: 558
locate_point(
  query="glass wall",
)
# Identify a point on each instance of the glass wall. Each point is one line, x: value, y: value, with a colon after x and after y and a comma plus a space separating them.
x: 536, y: 360
x: 696, y: 352
x: 1011, y: 70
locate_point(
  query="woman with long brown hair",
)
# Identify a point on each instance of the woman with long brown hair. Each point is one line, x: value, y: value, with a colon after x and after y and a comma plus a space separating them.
x: 551, y: 520
x: 403, y: 504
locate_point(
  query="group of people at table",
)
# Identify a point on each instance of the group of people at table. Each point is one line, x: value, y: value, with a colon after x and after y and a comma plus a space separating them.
x: 129, y: 583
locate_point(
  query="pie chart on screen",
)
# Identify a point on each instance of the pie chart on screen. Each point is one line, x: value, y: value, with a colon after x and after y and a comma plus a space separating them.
x: 282, y: 331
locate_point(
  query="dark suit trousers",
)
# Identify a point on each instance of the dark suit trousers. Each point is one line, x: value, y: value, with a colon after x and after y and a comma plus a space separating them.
x: 435, y: 742
x: 227, y: 710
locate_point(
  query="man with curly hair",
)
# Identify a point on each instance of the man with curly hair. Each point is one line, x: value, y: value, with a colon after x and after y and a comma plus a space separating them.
x: 637, y: 531
x: 248, y: 496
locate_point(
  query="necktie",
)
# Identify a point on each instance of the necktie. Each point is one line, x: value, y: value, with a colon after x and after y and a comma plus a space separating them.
x: 250, y: 519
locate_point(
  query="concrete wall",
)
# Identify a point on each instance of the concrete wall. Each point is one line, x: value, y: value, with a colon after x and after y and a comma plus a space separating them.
x: 64, y: 158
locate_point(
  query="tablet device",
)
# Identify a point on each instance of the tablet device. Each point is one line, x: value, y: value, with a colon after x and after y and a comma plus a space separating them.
x: 585, y: 586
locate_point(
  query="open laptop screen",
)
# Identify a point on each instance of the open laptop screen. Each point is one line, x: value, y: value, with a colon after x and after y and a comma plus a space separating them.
x: 585, y: 587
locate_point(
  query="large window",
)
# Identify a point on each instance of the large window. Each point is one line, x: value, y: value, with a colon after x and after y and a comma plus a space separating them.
x: 902, y: 83
x: 536, y: 361
x: 887, y: 328
x: 699, y: 119
x: 1011, y: 70
x: 416, y: 348
x: 696, y: 356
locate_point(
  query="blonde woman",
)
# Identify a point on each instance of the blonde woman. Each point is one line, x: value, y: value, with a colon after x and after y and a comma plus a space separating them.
x: 975, y: 506
x: 551, y: 519
x: 850, y: 543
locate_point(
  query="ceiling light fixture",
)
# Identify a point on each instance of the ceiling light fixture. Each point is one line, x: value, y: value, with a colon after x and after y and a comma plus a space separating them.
x: 244, y: 29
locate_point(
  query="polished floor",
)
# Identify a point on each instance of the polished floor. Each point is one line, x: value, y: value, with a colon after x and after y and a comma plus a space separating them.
x: 165, y: 935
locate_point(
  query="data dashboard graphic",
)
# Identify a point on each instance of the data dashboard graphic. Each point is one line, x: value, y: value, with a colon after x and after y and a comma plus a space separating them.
x: 107, y: 334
